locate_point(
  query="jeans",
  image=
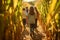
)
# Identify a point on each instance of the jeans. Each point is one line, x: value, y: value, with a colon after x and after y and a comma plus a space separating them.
x: 32, y: 26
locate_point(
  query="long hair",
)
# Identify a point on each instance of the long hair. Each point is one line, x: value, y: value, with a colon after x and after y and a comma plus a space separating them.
x: 26, y: 9
x: 31, y: 11
x: 23, y: 9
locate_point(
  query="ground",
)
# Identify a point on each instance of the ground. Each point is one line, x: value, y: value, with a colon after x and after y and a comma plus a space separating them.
x: 39, y: 34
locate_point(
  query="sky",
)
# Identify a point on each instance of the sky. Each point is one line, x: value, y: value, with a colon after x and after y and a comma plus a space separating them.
x: 28, y: 0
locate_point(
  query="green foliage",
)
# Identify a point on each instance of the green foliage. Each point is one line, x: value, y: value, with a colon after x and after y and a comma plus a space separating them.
x: 43, y: 8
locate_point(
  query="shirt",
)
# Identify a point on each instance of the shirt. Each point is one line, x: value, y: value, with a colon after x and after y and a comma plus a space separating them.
x: 24, y: 14
x: 31, y: 19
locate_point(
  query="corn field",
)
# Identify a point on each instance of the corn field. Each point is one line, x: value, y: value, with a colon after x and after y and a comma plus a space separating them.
x: 11, y: 20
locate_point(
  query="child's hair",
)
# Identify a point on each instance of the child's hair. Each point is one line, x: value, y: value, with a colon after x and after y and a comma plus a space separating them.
x: 31, y: 11
x: 23, y: 9
x: 27, y: 9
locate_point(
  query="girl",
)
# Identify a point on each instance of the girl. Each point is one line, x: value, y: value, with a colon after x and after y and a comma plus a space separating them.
x: 31, y: 20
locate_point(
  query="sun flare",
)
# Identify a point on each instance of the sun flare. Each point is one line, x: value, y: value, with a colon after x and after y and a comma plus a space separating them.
x: 28, y: 0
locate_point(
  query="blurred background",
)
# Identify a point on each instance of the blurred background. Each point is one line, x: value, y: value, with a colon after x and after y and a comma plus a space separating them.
x: 11, y: 27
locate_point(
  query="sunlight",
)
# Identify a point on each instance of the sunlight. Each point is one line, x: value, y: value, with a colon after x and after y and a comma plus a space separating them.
x: 10, y: 10
x: 28, y: 0
x: 15, y: 3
